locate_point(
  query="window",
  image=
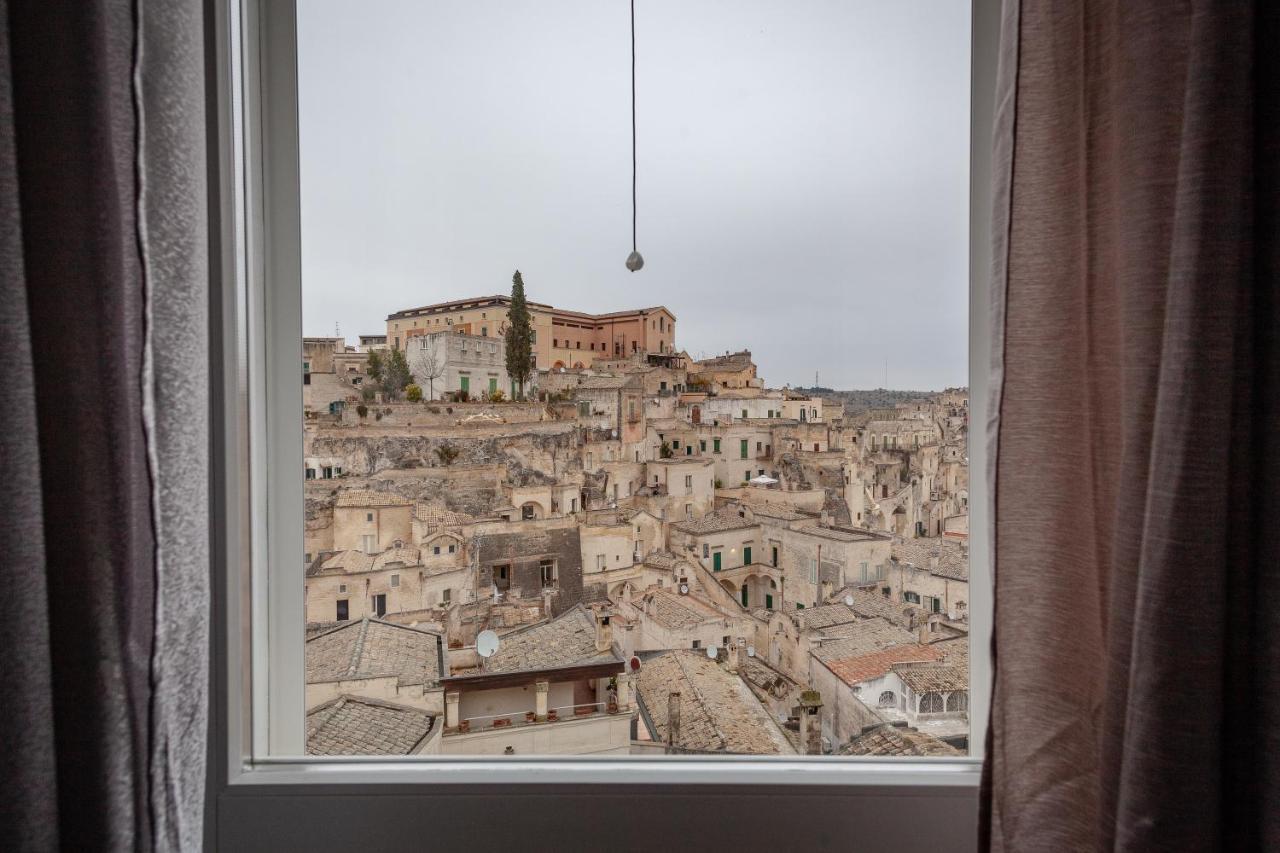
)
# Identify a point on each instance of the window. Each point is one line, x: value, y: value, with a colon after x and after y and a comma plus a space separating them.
x: 887, y: 700
x: 395, y: 581
x: 521, y: 580
x: 380, y: 604
x: 453, y: 549
x: 688, y: 484
x: 368, y: 516
x: 702, y: 445
x: 547, y: 571
x: 715, y: 445
x: 957, y: 701
x: 342, y: 588
x: 911, y: 597
x: 342, y: 614
x: 931, y: 703
x: 369, y: 543
x: 446, y: 596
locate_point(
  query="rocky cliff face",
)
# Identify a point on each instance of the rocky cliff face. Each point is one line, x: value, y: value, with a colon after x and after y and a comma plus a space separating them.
x: 367, y: 454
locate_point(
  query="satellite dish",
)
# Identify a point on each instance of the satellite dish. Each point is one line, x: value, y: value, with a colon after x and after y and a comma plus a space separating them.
x: 486, y: 643
x: 684, y: 589
x: 635, y: 664
x: 751, y: 651
x: 848, y: 600
x: 712, y: 651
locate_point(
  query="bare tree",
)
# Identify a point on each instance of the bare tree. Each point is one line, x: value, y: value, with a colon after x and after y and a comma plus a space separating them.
x: 427, y: 367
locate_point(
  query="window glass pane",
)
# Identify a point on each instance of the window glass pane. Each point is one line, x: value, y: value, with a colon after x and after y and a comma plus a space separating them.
x: 520, y: 513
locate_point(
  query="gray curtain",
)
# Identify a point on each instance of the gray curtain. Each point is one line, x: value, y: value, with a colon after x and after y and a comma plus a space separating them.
x: 103, y: 442
x: 1137, y: 630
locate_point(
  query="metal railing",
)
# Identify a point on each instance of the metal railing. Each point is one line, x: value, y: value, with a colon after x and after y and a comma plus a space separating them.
x: 517, y: 719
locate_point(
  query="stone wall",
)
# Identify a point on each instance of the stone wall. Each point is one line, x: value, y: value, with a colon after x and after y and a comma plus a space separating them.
x: 524, y: 550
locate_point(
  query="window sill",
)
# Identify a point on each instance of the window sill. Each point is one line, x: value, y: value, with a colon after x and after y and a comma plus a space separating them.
x: 869, y: 773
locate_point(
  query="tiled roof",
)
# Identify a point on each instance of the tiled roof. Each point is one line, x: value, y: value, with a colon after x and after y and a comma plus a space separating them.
x: 662, y: 560
x: 675, y: 611
x: 718, y: 711
x: 865, y: 637
x: 435, y: 515
x: 865, y: 667
x: 889, y: 739
x: 715, y: 522
x: 568, y: 640
x: 953, y: 563
x: 407, y: 555
x: 842, y: 534
x: 355, y: 725
x: 348, y: 562
x: 924, y: 678
x: 780, y: 512
x: 372, y: 648
x: 826, y: 615
x: 871, y: 603
x: 365, y: 497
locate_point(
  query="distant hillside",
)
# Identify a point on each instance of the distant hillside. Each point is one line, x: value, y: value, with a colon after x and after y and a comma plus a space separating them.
x: 875, y: 398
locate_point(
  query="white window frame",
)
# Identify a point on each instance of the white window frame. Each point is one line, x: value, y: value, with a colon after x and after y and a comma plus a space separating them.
x: 257, y: 721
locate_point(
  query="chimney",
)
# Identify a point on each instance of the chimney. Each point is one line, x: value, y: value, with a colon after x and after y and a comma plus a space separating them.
x: 673, y: 719
x: 604, y: 632
x: 933, y: 560
x: 810, y: 723
x: 628, y: 641
x: 924, y: 632
x: 735, y: 654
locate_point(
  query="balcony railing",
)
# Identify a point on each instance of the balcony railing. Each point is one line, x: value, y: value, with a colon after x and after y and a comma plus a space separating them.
x: 519, y: 719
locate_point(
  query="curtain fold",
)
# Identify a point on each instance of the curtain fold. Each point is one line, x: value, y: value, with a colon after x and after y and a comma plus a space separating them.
x: 1137, y: 560
x: 103, y: 301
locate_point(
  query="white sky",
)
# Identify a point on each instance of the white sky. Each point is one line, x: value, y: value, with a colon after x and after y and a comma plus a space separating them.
x: 803, y: 171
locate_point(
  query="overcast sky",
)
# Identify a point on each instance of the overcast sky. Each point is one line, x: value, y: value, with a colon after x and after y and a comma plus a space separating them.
x: 803, y: 171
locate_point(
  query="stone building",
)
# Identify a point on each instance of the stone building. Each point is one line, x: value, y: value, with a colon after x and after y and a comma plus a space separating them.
x: 691, y: 704
x: 370, y: 521
x: 555, y: 688
x: 449, y: 364
x: 561, y: 338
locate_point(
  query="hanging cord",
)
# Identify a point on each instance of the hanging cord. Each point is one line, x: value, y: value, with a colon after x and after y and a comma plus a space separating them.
x: 633, y: 125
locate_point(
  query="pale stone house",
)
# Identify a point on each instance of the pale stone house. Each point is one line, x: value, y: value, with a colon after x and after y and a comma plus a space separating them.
x: 371, y: 521
x: 447, y: 363
x: 376, y: 660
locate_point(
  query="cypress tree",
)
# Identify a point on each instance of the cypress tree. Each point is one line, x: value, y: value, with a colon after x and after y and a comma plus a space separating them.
x: 519, y: 336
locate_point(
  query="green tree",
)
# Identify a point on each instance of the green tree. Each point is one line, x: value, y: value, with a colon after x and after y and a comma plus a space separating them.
x: 519, y: 336
x: 375, y: 367
x: 412, y: 393
x: 395, y: 373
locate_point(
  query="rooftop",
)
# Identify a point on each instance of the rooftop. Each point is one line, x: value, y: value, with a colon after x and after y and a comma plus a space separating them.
x: 677, y: 611
x: 715, y: 522
x: 568, y: 640
x: 865, y: 667
x: 871, y: 603
x: 356, y: 725
x: 891, y: 739
x: 718, y: 711
x: 867, y: 637
x: 843, y: 534
x: 372, y: 648
x: 366, y: 497
x: 952, y: 562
